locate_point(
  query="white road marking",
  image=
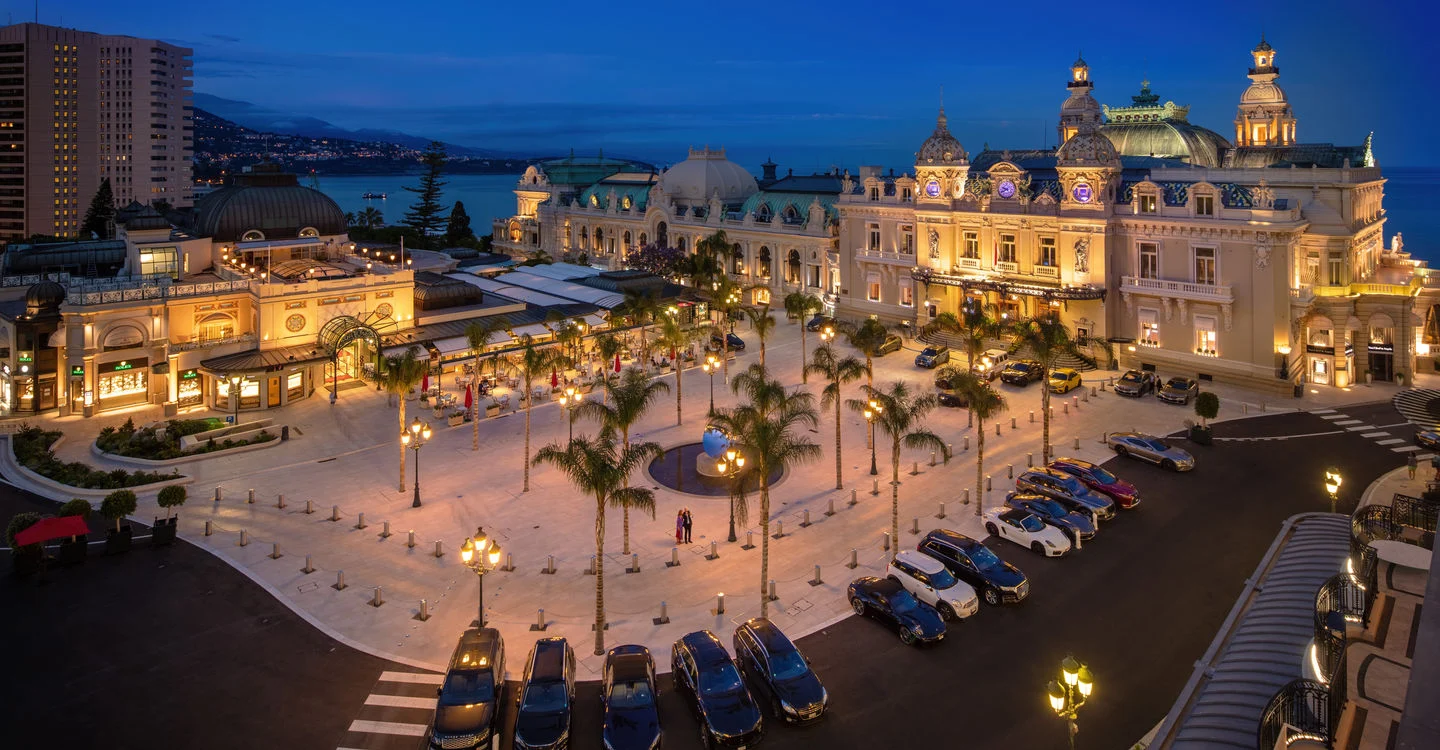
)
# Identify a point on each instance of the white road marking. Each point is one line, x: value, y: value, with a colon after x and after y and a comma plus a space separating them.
x: 1332, y: 416
x: 417, y: 678
x: 1406, y: 449
x: 1323, y: 411
x: 400, y: 701
x: 1360, y: 427
x: 388, y: 727
x: 1345, y: 422
x: 1375, y: 434
x: 1391, y: 441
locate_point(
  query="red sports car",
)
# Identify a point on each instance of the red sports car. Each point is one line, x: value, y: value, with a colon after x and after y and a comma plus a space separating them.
x: 1096, y: 478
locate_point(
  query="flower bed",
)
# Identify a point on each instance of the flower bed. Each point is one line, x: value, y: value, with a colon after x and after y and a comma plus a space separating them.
x: 32, y: 450
x: 154, y: 444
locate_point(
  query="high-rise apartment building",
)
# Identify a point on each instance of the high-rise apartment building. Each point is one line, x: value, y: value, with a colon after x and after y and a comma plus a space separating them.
x: 77, y: 108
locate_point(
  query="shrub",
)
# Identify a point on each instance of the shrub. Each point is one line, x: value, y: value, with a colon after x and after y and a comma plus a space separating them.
x: 77, y: 507
x: 1207, y: 407
x: 118, y: 505
x: 172, y: 496
x: 18, y: 523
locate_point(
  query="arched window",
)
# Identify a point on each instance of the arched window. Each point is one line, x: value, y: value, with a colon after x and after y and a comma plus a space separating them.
x: 214, y: 327
x: 123, y: 337
x: 662, y: 235
x: 625, y: 242
x: 600, y: 239
x: 791, y: 214
x: 680, y: 244
x: 252, y: 235
x: 792, y: 268
x: 738, y: 259
x: 584, y: 238
x: 643, y: 239
x: 765, y: 262
x: 514, y: 231
x: 309, y: 232
x: 763, y: 212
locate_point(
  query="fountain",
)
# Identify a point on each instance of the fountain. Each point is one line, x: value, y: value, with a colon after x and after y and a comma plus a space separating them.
x: 709, y: 467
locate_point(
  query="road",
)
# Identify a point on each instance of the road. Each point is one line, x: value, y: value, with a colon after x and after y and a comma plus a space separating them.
x: 207, y: 658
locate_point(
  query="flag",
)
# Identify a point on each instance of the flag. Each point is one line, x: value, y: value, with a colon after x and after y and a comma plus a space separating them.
x: 997, y: 251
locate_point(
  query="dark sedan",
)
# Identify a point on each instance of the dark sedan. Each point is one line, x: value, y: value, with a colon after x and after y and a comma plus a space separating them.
x: 1179, y: 390
x: 1098, y: 479
x: 1077, y: 526
x: 780, y: 672
x: 974, y: 563
x: 1067, y: 490
x: 1135, y: 383
x: 1021, y: 372
x: 951, y: 399
x: 627, y: 692
x: 888, y: 600
x: 704, y: 672
x: 546, y: 695
x: 819, y: 322
x: 735, y: 342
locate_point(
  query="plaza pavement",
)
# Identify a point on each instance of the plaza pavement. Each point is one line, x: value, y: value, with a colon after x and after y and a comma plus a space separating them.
x: 346, y: 455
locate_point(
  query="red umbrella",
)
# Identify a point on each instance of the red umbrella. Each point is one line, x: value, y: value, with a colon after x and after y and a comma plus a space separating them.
x: 617, y: 363
x: 554, y: 379
x: 425, y: 382
x: 52, y: 528
x: 469, y: 397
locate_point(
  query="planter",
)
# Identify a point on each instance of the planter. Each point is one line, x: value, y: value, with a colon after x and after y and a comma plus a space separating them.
x: 28, y: 563
x: 118, y: 542
x: 1200, y: 435
x: 456, y: 420
x: 73, y: 552
x: 492, y: 410
x: 162, y: 534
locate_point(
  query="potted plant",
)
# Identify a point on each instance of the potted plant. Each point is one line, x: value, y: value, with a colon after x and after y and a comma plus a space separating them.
x: 73, y: 551
x: 171, y: 496
x: 115, y: 507
x: 456, y: 417
x: 1207, y: 407
x: 27, y: 559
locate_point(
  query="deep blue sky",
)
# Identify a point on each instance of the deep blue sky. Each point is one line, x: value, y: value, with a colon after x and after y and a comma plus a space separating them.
x: 844, y: 82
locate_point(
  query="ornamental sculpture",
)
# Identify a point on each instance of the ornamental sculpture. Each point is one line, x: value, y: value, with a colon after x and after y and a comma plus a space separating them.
x: 934, y: 244
x: 1082, y: 255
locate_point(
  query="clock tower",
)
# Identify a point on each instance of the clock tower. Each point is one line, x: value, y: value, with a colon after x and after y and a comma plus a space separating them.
x: 941, y: 165
x: 1080, y: 108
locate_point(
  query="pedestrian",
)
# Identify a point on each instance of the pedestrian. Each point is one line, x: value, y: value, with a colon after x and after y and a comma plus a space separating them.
x: 1435, y: 464
x: 689, y: 522
x: 680, y: 527
x: 1411, y: 464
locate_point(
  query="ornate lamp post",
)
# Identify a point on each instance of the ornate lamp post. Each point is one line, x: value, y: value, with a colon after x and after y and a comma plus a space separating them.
x: 568, y: 402
x: 731, y: 466
x: 872, y: 414
x: 235, y: 380
x: 710, y: 365
x: 480, y: 555
x: 1332, y: 485
x: 415, y: 438
x: 1068, y: 695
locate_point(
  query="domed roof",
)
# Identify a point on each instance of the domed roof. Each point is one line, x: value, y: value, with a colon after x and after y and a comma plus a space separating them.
x: 707, y: 173
x: 1168, y: 139
x: 1262, y: 92
x: 1089, y: 147
x: 45, y: 296
x: 269, y: 202
x: 941, y: 147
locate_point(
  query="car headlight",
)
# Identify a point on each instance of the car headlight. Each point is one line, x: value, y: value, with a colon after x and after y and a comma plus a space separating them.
x: 789, y: 709
x: 916, y: 630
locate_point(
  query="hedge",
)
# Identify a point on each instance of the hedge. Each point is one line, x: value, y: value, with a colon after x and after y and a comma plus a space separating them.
x: 32, y: 450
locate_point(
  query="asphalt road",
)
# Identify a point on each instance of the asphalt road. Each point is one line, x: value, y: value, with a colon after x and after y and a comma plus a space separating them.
x: 173, y: 648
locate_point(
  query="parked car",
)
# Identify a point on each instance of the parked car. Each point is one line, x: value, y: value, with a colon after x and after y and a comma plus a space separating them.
x: 467, y: 713
x: 1067, y: 490
x: 1020, y: 372
x: 547, y: 691
x: 1135, y: 383
x: 1064, y: 380
x: 782, y: 674
x: 951, y: 399
x: 1077, y: 526
x: 929, y: 581
x: 932, y: 356
x: 736, y: 343
x: 1027, y: 530
x: 704, y: 672
x: 974, y: 563
x: 1179, y: 390
x: 628, y: 690
x: 991, y: 363
x: 1428, y: 439
x: 893, y: 342
x: 888, y: 600
x: 819, y: 322
x: 1100, y: 480
x: 1152, y: 449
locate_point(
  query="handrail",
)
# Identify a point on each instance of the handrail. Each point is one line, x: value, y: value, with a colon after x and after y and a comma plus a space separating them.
x: 1298, y: 711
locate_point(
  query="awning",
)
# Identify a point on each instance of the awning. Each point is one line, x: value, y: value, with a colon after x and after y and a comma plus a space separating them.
x: 536, y: 330
x: 451, y: 345
x: 400, y: 349
x: 500, y: 338
x: 52, y: 528
x: 596, y: 321
x: 264, y: 360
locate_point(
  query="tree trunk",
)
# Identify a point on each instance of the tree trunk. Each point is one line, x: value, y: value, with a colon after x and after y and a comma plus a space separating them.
x: 895, y: 496
x: 402, y: 444
x: 679, y: 376
x: 804, y: 374
x: 1045, y: 405
x: 764, y: 545
x: 870, y: 384
x: 762, y: 352
x: 527, y: 433
x: 839, y: 485
x: 475, y: 402
x: 599, y: 576
x: 626, y: 509
x: 980, y: 466
x: 725, y: 352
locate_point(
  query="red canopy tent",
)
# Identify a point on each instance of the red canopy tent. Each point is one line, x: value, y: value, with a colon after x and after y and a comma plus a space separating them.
x: 46, y: 529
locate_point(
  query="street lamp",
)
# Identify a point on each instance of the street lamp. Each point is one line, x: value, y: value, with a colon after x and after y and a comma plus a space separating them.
x: 415, y: 438
x: 710, y: 365
x: 1071, y: 692
x: 235, y: 380
x: 731, y: 466
x: 872, y: 414
x: 568, y: 402
x: 480, y: 554
x: 827, y: 334
x: 1332, y: 485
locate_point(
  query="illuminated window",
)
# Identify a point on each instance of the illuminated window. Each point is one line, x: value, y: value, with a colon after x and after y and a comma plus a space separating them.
x: 1337, y: 270
x: 252, y: 235
x: 160, y: 260
x: 1148, y: 203
x: 1206, y: 339
x: 1007, y: 248
x: 1149, y: 327
x: 1205, y: 265
x: 874, y: 233
x: 907, y: 239
x: 1149, y: 260
x: 872, y: 287
x: 907, y: 296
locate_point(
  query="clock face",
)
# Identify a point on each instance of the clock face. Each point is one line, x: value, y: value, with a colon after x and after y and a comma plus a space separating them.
x: 1082, y: 192
x: 1006, y: 189
x: 932, y: 188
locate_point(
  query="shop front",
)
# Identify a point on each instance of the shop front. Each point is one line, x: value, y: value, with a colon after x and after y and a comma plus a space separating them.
x: 190, y: 389
x: 259, y: 379
x: 122, y: 383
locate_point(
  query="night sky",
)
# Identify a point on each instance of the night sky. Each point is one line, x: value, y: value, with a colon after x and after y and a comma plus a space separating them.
x: 813, y: 84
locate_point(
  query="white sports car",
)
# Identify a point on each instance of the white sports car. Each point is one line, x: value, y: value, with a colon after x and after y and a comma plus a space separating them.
x: 928, y: 580
x: 1027, y: 530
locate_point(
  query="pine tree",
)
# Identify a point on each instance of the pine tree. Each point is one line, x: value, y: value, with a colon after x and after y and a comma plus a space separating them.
x: 459, y: 229
x: 100, y: 217
x: 425, y: 215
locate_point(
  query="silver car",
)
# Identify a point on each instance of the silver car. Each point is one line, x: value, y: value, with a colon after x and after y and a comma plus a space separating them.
x: 1150, y: 448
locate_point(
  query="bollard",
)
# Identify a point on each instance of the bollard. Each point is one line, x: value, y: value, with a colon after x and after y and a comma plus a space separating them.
x: 1012, y: 423
x: 634, y: 563
x: 664, y: 618
x: 854, y: 559
x: 439, y: 551
x: 966, y: 498
x: 1244, y: 408
x: 714, y: 551
x: 966, y: 444
x: 830, y: 507
x: 1077, y: 444
x: 885, y: 542
x: 539, y: 620
x: 1085, y: 395
x: 410, y: 543
x: 875, y: 487
x: 941, y: 514
x: 806, y: 522
x: 219, y: 494
x: 932, y: 458
x: 853, y: 493
x: 987, y: 482
x: 360, y: 521
x: 1052, y: 412
x: 509, y: 566
x: 915, y: 469
x: 749, y: 540
x: 1066, y: 408
x: 779, y: 529
x: 1010, y: 471
x: 816, y: 581
x: 674, y: 558
x: 1075, y: 401
x: 590, y: 571
x: 308, y: 569
x: 377, y: 600
x: 997, y: 429
x: 250, y: 497
x: 549, y: 568
x: 309, y: 507
x: 1102, y: 384
x: 275, y: 551
x: 244, y: 537
x: 385, y: 533
x: 280, y: 500
x: 915, y: 525
x: 334, y: 513
x: 424, y: 613
x: 339, y: 580
x: 720, y: 603
x: 1029, y: 460
x: 772, y: 596
x: 1262, y: 407
x: 207, y: 528
x: 1032, y: 416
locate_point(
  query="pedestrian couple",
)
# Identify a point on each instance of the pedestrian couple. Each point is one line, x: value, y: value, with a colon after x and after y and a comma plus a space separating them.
x: 683, y: 521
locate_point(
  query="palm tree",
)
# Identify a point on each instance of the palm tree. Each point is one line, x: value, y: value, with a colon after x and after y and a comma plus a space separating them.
x: 398, y: 376
x: 763, y: 324
x: 902, y: 417
x: 676, y: 338
x: 837, y: 371
x: 641, y: 307
x: 529, y: 362
x: 600, y: 468
x: 370, y: 218
x: 984, y: 403
x: 770, y: 433
x: 1048, y: 338
x: 868, y: 337
x: 478, y: 334
x: 799, y: 306
x: 608, y: 346
x: 634, y: 393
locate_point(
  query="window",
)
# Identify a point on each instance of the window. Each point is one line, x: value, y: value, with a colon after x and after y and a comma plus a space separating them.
x: 159, y: 260
x: 1204, y: 205
x: 813, y: 277
x: 972, y: 244
x: 1007, y: 248
x: 1149, y: 327
x: 874, y: 193
x: 874, y: 233
x: 1337, y: 270
x: 764, y: 262
x: 1047, y: 252
x: 309, y: 232
x: 1149, y: 260
x: 215, y: 326
x: 907, y: 295
x: 872, y: 287
x: 907, y: 239
x: 792, y: 267
x: 1205, y: 336
x: 1205, y: 265
x: 252, y: 235
x: 1147, y: 203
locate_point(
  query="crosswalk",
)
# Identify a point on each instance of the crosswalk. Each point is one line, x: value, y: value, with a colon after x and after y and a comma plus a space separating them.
x: 396, y: 714
x: 1396, y: 437
x: 1414, y: 405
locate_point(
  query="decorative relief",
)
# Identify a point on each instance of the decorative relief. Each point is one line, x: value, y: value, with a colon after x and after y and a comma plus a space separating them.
x: 1181, y: 303
x: 934, y: 238
x: 1082, y: 255
x: 295, y: 323
x: 1229, y: 316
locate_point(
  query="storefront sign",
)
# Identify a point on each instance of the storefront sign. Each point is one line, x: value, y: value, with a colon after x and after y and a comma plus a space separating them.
x: 77, y: 371
x: 27, y: 357
x: 189, y: 374
x: 1382, y: 348
x: 123, y: 365
x: 1326, y: 350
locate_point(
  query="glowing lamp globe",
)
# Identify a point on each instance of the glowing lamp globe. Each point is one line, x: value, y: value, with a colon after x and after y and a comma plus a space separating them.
x: 714, y: 442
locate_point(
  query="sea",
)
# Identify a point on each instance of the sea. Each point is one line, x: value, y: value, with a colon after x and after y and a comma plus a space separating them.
x: 1411, y: 203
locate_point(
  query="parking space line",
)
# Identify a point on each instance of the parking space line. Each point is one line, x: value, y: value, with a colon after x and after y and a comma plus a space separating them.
x: 1345, y: 422
x: 1360, y: 427
x: 1332, y: 416
x: 419, y: 678
x: 388, y: 727
x: 1391, y: 441
x: 1322, y: 411
x: 1375, y: 434
x: 399, y: 701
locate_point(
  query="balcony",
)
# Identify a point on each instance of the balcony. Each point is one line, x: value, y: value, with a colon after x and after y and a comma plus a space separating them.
x: 198, y: 342
x: 1350, y: 290
x: 885, y: 257
x: 1050, y: 272
x: 1219, y: 293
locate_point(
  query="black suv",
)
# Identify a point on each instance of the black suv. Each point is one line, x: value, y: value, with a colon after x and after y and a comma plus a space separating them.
x: 548, y: 690
x: 819, y: 322
x: 781, y: 673
x: 1066, y: 490
x: 704, y: 672
x: 1075, y: 525
x: 468, y: 712
x: 627, y: 692
x: 974, y: 563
